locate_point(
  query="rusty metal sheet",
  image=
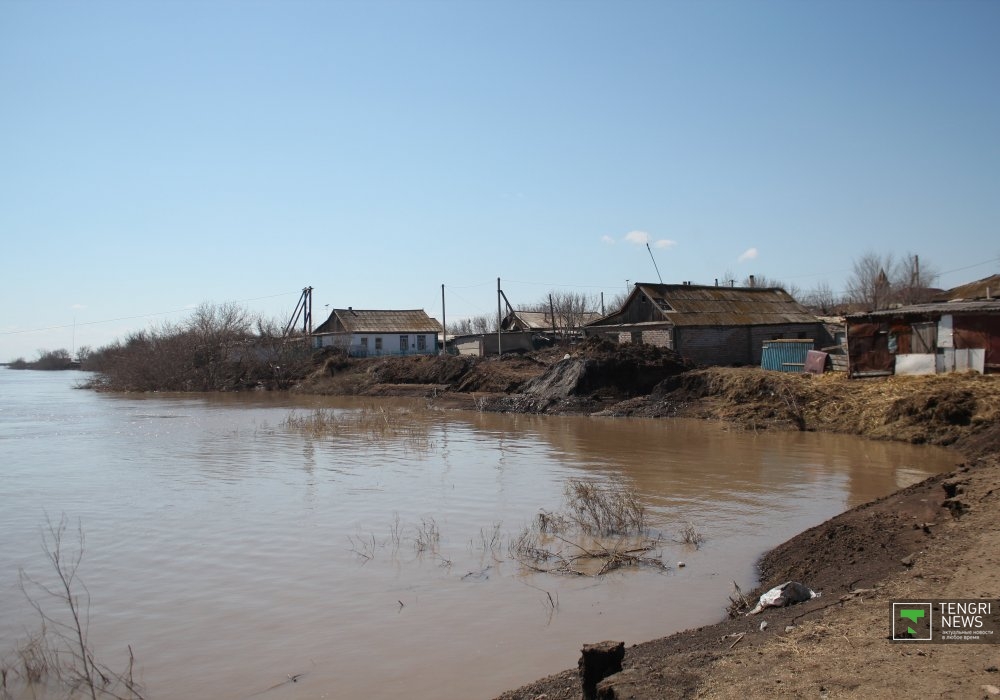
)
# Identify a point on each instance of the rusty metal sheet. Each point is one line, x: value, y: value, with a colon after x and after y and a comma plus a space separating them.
x: 816, y: 362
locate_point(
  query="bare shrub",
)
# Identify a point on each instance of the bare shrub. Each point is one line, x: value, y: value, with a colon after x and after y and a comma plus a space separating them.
x: 63, y: 647
x: 428, y: 536
x: 576, y: 540
x: 604, y: 509
x: 490, y: 541
x: 738, y: 602
x: 219, y: 348
x: 553, y: 522
x: 690, y: 536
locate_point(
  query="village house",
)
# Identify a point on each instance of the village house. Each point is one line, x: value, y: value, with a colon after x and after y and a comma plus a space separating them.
x: 710, y: 325
x: 364, y: 333
x: 542, y: 321
x: 959, y: 334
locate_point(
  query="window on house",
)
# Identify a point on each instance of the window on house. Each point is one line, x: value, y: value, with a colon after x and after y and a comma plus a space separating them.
x: 364, y: 343
x: 378, y: 344
x: 421, y: 342
x: 662, y: 303
x: 404, y: 343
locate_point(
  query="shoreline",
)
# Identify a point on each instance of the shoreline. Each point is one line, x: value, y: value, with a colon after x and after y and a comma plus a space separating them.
x: 902, y: 544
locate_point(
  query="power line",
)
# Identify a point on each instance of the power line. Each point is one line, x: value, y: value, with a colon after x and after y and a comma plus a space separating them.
x: 130, y: 318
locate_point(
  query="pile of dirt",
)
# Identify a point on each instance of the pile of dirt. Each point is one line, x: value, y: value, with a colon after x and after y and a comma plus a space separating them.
x: 597, y: 369
x: 596, y: 372
x: 444, y: 370
x: 423, y: 374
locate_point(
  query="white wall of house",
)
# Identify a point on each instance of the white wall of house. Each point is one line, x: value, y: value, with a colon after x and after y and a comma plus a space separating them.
x: 374, y: 344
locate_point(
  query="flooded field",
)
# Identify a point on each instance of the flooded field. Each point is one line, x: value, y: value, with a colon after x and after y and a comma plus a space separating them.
x: 235, y: 541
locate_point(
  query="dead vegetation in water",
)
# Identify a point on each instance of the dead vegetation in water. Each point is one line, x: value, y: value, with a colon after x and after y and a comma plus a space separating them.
x: 425, y: 539
x: 601, y: 529
x: 60, y: 657
x: 604, y: 509
x: 559, y: 555
x: 372, y: 422
x: 691, y: 537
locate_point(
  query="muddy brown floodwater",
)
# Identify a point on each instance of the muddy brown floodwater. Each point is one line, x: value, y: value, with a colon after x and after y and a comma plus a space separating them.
x: 233, y: 550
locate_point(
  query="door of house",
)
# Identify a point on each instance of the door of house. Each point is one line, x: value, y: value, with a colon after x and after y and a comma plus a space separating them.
x: 924, y: 338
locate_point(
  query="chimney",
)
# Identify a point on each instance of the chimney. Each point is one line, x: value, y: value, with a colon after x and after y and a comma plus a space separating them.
x: 716, y: 281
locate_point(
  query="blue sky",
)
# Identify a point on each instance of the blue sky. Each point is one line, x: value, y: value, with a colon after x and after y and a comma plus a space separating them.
x: 157, y: 155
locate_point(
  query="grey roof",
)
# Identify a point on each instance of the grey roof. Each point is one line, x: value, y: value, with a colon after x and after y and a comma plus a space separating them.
x: 696, y: 305
x: 932, y: 309
x: 542, y: 320
x: 378, y: 321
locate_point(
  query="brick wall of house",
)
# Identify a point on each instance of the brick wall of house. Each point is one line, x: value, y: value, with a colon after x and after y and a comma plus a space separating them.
x: 659, y: 338
x: 740, y: 345
x: 714, y: 345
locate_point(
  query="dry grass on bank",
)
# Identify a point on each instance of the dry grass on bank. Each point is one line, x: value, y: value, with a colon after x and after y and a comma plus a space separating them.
x: 936, y: 409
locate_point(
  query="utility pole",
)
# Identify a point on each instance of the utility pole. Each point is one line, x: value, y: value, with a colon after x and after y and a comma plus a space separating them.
x: 552, y: 310
x: 304, y: 309
x: 499, y: 319
x: 444, y: 325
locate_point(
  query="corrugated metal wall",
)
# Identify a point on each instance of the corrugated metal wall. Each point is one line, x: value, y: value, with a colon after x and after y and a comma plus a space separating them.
x: 785, y: 355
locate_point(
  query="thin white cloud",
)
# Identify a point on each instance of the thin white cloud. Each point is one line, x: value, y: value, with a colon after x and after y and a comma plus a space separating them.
x: 77, y: 307
x: 607, y: 239
x: 748, y: 254
x: 643, y: 238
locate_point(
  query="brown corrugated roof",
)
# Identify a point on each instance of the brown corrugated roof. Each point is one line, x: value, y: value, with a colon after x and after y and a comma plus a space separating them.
x: 379, y: 321
x: 980, y: 289
x: 694, y: 305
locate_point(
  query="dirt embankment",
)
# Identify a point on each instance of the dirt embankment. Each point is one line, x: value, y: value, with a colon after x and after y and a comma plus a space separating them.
x: 936, y: 539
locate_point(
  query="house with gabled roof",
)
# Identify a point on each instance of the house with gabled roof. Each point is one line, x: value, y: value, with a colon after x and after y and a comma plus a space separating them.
x: 710, y: 325
x: 369, y: 332
x: 544, y: 322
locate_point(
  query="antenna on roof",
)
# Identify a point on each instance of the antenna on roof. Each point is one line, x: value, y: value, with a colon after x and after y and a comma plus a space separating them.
x: 654, y: 262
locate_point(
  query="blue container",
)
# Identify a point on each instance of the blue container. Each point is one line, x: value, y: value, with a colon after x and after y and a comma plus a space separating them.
x: 785, y: 355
